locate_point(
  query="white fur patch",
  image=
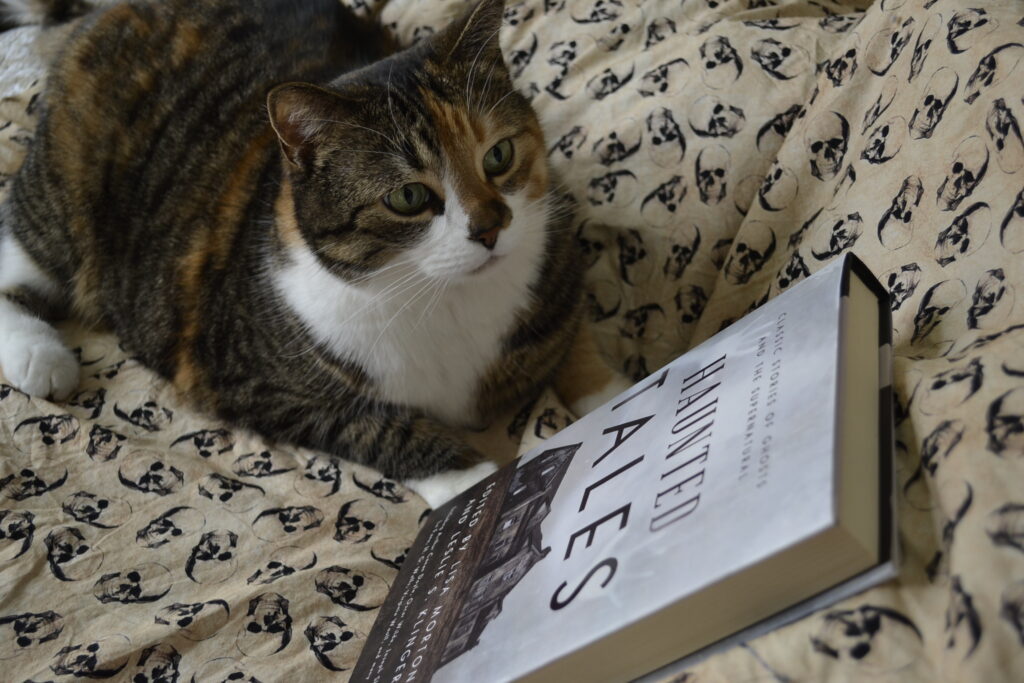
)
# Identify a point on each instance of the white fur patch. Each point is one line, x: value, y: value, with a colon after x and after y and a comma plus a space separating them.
x: 429, y: 325
x: 32, y: 356
x: 440, y: 488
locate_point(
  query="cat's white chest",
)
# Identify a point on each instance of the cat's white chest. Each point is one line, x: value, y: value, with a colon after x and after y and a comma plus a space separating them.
x: 425, y: 346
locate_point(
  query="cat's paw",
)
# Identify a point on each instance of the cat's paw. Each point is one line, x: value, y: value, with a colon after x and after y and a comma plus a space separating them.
x: 585, y: 404
x: 438, y: 489
x: 39, y: 364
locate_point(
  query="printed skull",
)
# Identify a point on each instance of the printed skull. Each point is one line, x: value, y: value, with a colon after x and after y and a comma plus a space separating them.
x: 145, y: 583
x: 277, y: 523
x: 157, y: 664
x: 988, y: 294
x: 1004, y: 131
x: 207, y: 442
x: 779, y: 61
x: 964, y: 235
x: 885, y: 141
x: 882, y: 103
x: 358, y: 520
x: 826, y: 142
x: 896, y: 226
x: 886, y: 46
x: 902, y: 284
x: 231, y: 493
x: 103, y: 658
x: 711, y: 169
x: 382, y: 487
x: 147, y: 473
x: 720, y: 61
x: 97, y: 511
x: 268, y: 626
x: 922, y: 45
x: 712, y: 118
x: 1011, y: 231
x: 959, y: 36
x: 992, y: 69
x: 1005, y: 423
x: 878, y: 638
x: 27, y: 483
x: 171, y: 524
x: 359, y: 591
x: 327, y: 637
x: 750, y: 251
x: 16, y: 526
x: 966, y: 171
x: 939, y: 92
x: 195, y: 621
x: 263, y: 464
x: 21, y: 633
x: 843, y: 233
x: 213, y: 558
x: 104, y: 444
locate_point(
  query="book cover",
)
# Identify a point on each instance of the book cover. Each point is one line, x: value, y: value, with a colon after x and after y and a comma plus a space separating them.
x: 716, y: 461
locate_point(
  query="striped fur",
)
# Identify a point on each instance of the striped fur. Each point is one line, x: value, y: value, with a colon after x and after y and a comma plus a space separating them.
x: 165, y: 203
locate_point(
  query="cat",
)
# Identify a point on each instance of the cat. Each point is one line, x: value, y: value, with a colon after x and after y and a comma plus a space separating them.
x: 312, y: 234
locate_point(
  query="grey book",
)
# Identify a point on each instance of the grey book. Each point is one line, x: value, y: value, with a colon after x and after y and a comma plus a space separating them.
x: 745, y: 484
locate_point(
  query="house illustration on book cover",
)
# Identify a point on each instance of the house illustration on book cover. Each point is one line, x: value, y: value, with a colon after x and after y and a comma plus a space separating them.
x: 515, y: 547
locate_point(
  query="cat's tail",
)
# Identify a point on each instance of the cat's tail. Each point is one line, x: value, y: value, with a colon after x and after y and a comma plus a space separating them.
x: 15, y: 13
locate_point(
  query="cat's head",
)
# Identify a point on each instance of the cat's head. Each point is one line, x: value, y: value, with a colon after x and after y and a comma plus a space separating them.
x: 428, y: 161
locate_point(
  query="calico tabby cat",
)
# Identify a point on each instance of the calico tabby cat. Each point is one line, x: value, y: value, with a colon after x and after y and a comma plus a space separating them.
x: 332, y: 244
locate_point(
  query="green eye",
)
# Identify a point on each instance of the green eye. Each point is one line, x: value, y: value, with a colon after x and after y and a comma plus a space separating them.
x: 498, y: 158
x: 408, y: 200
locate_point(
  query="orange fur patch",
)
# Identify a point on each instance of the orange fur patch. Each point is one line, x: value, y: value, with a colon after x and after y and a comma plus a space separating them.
x: 210, y: 248
x: 584, y: 372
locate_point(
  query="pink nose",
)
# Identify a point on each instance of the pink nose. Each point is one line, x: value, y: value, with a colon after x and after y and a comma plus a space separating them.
x: 488, y: 238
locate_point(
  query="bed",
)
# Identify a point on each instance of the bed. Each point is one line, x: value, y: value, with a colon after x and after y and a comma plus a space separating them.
x: 719, y: 152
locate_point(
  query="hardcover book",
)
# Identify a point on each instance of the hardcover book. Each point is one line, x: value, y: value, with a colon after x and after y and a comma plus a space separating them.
x: 745, y: 484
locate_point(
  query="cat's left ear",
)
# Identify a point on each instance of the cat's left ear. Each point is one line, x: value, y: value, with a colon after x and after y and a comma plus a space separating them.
x: 474, y: 36
x: 299, y: 112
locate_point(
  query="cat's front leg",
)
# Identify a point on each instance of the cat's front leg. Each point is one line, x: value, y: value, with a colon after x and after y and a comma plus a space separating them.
x: 440, y: 488
x: 585, y: 381
x: 32, y: 356
x: 427, y: 456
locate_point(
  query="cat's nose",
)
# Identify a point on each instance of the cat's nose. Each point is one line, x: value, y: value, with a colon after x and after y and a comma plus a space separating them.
x: 488, y: 239
x: 487, y: 220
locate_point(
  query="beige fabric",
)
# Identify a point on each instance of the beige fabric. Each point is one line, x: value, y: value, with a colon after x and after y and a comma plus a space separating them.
x: 955, y: 267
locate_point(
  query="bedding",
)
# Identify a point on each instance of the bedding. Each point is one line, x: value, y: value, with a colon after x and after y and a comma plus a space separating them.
x: 719, y: 152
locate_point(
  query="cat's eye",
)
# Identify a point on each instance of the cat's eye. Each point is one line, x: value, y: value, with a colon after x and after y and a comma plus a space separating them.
x: 408, y: 200
x: 498, y: 158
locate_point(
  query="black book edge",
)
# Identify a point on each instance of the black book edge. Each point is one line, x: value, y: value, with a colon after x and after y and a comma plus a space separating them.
x: 888, y: 539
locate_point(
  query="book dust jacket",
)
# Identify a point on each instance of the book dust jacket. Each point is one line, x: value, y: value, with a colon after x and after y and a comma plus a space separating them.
x: 708, y: 465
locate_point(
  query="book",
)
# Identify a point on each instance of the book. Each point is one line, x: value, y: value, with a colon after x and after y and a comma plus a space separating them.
x: 741, y: 486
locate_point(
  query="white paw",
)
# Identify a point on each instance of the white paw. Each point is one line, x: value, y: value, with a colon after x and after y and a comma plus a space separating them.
x: 592, y: 402
x: 440, y: 488
x: 37, y: 363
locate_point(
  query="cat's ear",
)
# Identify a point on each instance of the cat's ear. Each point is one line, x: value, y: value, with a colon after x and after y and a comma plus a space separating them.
x: 474, y: 36
x: 298, y: 114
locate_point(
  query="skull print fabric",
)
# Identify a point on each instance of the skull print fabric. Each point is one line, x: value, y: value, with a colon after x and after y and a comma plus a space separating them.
x: 718, y: 152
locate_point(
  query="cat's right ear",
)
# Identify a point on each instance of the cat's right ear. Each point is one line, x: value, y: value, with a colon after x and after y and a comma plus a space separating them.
x: 299, y: 112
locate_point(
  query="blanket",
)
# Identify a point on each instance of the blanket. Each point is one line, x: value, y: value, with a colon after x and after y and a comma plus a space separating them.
x: 719, y: 151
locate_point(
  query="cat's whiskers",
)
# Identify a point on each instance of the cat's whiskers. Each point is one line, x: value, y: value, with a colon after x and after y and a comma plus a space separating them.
x: 389, y: 293
x: 394, y: 317
x: 380, y: 271
x: 391, y: 109
x: 440, y: 288
x: 486, y: 90
x: 500, y: 100
x: 472, y: 67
